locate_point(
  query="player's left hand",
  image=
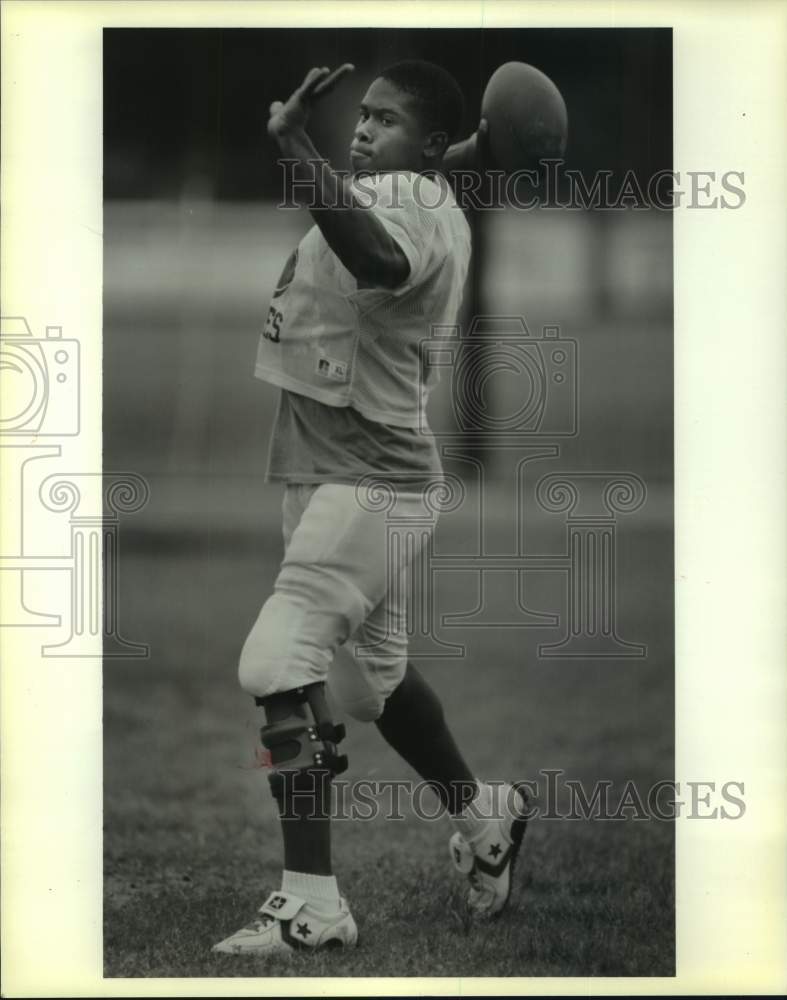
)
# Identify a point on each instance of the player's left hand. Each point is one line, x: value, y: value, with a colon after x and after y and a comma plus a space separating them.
x: 293, y: 114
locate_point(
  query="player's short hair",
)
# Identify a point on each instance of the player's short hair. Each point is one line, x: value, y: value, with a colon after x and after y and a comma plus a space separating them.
x: 436, y: 94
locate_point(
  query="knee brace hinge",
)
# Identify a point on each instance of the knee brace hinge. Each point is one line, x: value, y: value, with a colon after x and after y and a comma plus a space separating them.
x: 297, y: 745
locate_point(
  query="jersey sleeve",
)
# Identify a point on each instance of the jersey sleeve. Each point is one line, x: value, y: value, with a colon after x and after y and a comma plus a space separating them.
x: 408, y: 205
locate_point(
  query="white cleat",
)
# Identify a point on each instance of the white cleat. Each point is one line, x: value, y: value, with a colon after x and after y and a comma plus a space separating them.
x: 488, y: 859
x: 285, y: 924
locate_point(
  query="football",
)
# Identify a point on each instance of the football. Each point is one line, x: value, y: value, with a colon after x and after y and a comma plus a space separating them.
x: 527, y: 116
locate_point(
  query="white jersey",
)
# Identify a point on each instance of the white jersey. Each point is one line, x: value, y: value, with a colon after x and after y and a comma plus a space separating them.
x: 342, y: 345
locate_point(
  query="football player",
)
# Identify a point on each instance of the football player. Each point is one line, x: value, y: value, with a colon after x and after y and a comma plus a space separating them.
x: 385, y: 261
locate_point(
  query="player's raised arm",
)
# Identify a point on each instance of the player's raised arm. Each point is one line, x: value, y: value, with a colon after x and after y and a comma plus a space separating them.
x: 357, y: 238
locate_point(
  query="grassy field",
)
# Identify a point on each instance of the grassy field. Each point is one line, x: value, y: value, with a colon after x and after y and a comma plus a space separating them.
x: 191, y: 838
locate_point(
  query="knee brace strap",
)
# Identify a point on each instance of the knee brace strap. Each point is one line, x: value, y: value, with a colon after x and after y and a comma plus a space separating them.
x: 295, y: 743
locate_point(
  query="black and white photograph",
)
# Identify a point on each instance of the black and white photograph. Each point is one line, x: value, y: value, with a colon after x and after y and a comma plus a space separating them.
x: 406, y: 706
x: 380, y: 573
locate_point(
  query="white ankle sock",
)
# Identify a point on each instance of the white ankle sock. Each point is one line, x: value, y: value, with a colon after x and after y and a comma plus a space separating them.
x: 321, y: 892
x: 471, y: 822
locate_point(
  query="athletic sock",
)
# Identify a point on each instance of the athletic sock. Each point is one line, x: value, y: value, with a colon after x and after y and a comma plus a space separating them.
x: 473, y: 819
x: 321, y: 892
x: 413, y: 723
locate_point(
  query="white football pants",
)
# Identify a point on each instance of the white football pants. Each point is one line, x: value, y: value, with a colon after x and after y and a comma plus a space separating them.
x: 338, y: 612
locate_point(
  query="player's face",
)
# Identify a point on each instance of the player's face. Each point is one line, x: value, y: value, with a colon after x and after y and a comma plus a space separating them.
x: 389, y: 135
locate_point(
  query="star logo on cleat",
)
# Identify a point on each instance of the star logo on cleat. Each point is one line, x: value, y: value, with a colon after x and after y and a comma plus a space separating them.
x: 494, y: 850
x: 303, y: 930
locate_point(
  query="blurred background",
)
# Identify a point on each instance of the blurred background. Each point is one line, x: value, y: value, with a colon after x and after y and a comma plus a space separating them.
x: 193, y: 245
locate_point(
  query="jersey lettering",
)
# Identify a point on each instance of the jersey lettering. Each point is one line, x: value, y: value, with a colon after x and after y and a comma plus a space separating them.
x: 273, y: 324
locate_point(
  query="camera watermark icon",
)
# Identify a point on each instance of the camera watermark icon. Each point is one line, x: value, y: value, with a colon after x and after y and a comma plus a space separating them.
x: 40, y: 403
x: 40, y: 381
x: 507, y: 384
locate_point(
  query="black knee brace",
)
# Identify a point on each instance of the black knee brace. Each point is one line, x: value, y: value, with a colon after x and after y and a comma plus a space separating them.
x: 296, y: 743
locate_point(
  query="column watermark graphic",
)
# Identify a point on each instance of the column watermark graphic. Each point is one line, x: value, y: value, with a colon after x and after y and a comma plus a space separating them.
x: 591, y: 502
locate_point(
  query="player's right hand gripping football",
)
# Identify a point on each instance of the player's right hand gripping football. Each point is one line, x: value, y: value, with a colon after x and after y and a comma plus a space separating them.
x: 473, y: 153
x: 293, y: 114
